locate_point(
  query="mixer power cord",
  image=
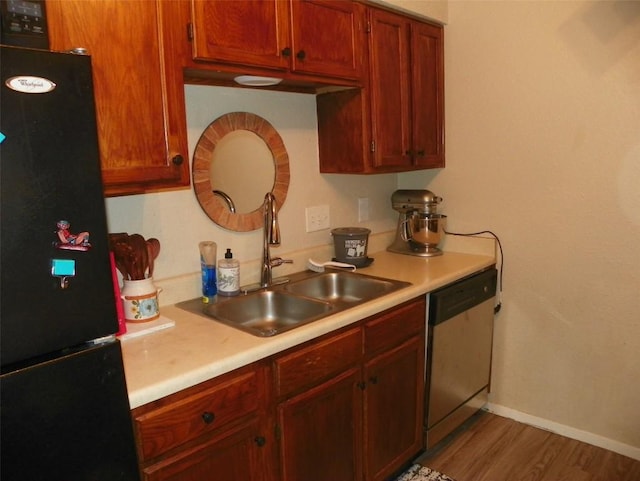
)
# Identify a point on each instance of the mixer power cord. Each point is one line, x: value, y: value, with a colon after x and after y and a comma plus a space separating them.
x: 498, y: 306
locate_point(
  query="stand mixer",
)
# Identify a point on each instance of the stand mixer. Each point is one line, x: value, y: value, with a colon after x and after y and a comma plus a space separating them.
x: 420, y: 227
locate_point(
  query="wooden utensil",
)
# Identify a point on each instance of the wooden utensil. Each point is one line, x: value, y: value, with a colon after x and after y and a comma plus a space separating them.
x: 118, y: 245
x: 138, y: 261
x: 153, y: 249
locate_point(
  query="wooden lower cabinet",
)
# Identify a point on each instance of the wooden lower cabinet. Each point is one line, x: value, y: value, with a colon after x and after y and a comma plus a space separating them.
x: 394, y: 373
x: 322, y: 431
x: 347, y: 406
x: 393, y: 416
x: 363, y: 420
x: 232, y: 455
x: 221, y: 429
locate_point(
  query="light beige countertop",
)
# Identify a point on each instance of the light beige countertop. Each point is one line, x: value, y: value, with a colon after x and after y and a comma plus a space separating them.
x: 198, y: 348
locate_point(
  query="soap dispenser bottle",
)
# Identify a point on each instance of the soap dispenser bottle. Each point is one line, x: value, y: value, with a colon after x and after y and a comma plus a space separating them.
x: 228, y: 275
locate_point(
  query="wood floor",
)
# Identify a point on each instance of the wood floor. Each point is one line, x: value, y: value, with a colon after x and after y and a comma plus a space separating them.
x: 493, y: 448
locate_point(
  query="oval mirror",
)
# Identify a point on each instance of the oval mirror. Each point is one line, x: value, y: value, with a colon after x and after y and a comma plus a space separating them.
x: 239, y: 158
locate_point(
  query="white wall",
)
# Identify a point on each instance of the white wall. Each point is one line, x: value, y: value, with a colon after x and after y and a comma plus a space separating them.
x: 543, y: 147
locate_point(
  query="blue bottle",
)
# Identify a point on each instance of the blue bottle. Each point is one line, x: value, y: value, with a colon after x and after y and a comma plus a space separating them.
x: 208, y: 251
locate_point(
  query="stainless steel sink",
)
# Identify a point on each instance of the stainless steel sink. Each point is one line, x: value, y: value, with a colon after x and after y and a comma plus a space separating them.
x: 308, y: 296
x: 344, y: 287
x: 269, y: 312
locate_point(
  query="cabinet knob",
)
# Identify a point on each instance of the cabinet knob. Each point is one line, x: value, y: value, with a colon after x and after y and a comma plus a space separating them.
x: 286, y: 52
x: 408, y: 152
x: 177, y: 159
x: 362, y: 385
x: 421, y: 153
x: 373, y: 379
x: 208, y: 417
x: 260, y: 441
x: 301, y: 55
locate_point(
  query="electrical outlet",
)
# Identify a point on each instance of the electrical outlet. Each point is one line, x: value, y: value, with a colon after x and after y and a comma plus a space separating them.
x: 317, y: 218
x: 363, y: 209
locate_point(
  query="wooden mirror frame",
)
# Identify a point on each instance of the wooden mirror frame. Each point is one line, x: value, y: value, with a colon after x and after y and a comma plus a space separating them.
x: 213, y: 205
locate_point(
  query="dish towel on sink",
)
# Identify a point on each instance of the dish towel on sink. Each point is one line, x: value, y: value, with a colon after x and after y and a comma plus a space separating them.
x: 422, y: 473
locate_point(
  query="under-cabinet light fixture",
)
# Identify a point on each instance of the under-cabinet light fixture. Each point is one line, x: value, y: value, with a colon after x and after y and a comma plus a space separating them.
x: 255, y: 81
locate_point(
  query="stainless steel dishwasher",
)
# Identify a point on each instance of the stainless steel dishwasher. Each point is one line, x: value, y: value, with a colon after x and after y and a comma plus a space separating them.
x: 459, y: 345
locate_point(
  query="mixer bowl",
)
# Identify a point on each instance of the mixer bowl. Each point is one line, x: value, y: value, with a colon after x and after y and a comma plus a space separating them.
x: 426, y: 229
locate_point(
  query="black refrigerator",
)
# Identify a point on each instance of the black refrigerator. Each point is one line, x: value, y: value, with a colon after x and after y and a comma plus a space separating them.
x: 64, y: 409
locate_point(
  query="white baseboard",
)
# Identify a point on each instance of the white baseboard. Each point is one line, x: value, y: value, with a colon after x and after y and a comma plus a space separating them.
x: 563, y: 430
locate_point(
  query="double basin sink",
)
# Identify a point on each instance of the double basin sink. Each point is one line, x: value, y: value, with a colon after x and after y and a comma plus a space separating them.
x: 306, y: 298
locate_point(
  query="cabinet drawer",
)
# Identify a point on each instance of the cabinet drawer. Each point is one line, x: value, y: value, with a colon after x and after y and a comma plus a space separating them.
x: 169, y: 426
x: 233, y: 454
x: 310, y: 365
x: 393, y: 327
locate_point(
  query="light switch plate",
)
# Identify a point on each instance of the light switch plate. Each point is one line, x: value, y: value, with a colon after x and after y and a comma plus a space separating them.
x: 317, y: 218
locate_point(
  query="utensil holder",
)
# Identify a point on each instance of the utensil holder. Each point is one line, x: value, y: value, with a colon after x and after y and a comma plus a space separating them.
x: 140, y: 300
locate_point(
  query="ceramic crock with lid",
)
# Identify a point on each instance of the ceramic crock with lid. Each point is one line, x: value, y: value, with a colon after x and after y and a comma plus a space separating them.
x: 351, y: 245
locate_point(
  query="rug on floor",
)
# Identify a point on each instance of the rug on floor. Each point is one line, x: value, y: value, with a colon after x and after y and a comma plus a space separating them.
x: 422, y: 473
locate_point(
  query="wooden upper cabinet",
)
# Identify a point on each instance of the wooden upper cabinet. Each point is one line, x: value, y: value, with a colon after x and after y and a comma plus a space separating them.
x: 308, y: 37
x: 407, y: 92
x: 138, y: 90
x: 396, y: 122
x: 327, y: 37
x: 251, y: 32
x: 427, y: 69
x: 390, y: 89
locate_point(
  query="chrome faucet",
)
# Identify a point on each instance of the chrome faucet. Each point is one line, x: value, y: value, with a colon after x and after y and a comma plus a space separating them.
x: 271, y: 237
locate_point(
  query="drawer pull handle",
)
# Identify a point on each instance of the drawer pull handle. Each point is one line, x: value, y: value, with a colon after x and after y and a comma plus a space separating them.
x: 260, y: 441
x: 208, y: 417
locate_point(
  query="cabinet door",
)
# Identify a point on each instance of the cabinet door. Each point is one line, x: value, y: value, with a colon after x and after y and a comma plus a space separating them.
x: 394, y: 408
x: 139, y: 95
x: 327, y: 38
x: 250, y: 32
x: 390, y: 90
x: 427, y: 70
x: 322, y: 431
x: 235, y: 455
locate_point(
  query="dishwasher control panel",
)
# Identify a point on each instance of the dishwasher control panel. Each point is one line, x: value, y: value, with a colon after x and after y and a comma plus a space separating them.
x: 455, y: 298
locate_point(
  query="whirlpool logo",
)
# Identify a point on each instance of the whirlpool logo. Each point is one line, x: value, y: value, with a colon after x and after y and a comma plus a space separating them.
x: 30, y: 85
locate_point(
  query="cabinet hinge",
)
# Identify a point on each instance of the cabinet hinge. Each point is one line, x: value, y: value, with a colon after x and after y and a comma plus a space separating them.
x: 190, y: 32
x: 367, y: 27
x: 373, y: 146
